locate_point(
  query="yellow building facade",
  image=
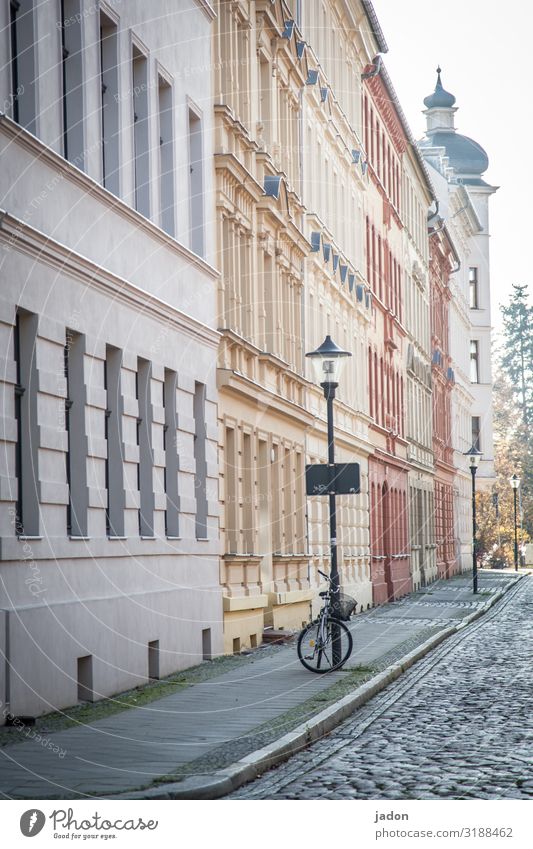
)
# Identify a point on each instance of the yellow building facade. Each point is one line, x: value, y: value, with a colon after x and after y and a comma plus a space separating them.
x: 290, y: 188
x: 263, y: 411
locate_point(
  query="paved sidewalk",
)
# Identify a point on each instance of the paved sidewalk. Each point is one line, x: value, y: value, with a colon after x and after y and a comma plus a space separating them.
x: 212, y: 724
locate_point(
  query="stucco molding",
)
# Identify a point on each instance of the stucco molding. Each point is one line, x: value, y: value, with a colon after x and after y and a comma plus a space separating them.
x: 207, y: 9
x: 36, y: 244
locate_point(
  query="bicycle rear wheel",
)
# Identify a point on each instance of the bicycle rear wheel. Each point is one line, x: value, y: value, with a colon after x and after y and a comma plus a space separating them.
x: 317, y: 656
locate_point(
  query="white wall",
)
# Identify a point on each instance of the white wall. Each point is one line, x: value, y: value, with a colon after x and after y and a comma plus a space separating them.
x: 79, y: 258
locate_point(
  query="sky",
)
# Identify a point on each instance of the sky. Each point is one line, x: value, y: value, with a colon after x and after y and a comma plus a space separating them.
x: 483, y: 49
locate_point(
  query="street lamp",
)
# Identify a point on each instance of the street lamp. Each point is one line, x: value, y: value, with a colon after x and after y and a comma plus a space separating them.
x: 328, y: 361
x: 474, y: 456
x: 515, y: 483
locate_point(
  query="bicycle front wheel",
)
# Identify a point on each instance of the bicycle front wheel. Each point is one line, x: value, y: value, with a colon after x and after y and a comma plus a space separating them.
x: 317, y: 654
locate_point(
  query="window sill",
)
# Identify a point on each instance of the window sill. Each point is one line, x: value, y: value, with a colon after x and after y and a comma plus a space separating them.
x: 146, y: 537
x: 78, y: 537
x: 111, y: 538
x: 202, y: 539
x: 173, y: 538
x: 28, y: 537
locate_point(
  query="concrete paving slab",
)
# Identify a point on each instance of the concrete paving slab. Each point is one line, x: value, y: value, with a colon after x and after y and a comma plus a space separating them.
x: 130, y: 749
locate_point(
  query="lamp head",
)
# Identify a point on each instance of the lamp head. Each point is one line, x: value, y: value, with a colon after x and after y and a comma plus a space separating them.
x: 514, y: 481
x: 474, y: 457
x: 328, y: 361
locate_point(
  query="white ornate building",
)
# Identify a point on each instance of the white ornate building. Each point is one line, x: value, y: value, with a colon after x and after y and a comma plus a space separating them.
x: 457, y: 164
x: 109, y: 571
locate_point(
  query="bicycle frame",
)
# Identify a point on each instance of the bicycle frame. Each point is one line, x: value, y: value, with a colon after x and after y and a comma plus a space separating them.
x: 323, y: 616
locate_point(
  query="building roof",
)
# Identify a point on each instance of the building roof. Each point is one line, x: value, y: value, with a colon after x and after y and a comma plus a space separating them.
x: 465, y: 155
x: 406, y: 128
x: 440, y: 97
x: 375, y: 26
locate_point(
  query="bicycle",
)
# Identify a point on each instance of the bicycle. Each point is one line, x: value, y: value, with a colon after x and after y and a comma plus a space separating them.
x: 317, y: 643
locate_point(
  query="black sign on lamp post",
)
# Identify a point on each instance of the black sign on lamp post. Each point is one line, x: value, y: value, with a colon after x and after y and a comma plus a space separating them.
x: 515, y: 483
x: 328, y: 361
x: 474, y: 456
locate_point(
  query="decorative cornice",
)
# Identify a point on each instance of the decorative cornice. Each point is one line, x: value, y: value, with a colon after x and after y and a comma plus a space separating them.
x: 232, y: 381
x: 207, y: 9
x: 36, y: 244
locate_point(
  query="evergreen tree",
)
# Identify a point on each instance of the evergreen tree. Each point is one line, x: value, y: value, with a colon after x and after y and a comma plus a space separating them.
x: 517, y: 357
x: 513, y: 410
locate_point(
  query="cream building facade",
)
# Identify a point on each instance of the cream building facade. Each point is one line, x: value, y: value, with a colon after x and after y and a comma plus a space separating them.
x: 109, y: 511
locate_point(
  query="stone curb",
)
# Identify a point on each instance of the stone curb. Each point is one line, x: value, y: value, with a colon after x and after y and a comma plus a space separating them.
x: 227, y: 780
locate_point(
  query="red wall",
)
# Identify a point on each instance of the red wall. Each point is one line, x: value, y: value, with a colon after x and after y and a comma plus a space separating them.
x: 389, y: 535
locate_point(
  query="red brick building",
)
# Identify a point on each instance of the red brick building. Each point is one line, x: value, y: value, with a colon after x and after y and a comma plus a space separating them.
x: 385, y: 143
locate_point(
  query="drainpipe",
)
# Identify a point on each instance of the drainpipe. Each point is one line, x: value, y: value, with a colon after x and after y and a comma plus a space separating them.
x: 7, y: 664
x: 302, y: 222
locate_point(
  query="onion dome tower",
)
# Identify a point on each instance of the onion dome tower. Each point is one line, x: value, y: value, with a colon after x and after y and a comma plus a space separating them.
x: 466, y: 156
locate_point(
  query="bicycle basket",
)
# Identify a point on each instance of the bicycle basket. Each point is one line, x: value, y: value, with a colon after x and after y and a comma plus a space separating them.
x: 343, y: 607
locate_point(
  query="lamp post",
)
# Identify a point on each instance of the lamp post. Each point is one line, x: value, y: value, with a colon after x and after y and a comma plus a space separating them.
x: 515, y: 483
x: 328, y: 362
x: 474, y: 456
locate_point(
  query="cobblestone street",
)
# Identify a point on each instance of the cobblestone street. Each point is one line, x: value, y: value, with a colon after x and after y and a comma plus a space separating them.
x: 458, y: 725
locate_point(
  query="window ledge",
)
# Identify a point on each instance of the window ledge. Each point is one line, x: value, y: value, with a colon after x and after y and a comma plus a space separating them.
x: 26, y: 537
x: 78, y: 537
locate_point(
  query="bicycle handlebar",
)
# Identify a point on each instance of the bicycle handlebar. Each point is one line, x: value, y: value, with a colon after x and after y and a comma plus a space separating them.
x: 324, y: 575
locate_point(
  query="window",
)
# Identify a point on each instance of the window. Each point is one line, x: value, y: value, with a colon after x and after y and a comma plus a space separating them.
x: 22, y: 31
x: 473, y: 288
x: 200, y: 478
x: 85, y: 678
x: 196, y: 184
x: 288, y: 507
x: 166, y: 157
x: 27, y: 448
x: 248, y: 483
x: 109, y: 104
x: 78, y: 505
x: 153, y: 660
x: 71, y: 69
x: 171, y: 454
x: 243, y: 71
x: 230, y: 490
x: 141, y: 153
x: 474, y: 361
x: 144, y: 439
x: 265, y: 81
x: 476, y: 433
x: 277, y: 527
x: 113, y: 433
